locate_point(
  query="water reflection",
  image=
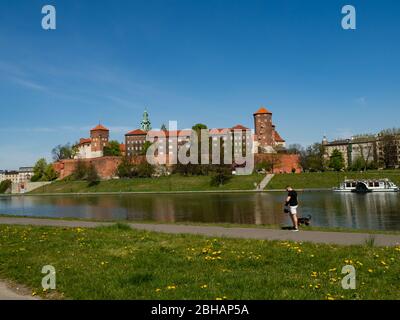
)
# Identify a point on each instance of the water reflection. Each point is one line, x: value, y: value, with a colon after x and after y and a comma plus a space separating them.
x: 370, y: 211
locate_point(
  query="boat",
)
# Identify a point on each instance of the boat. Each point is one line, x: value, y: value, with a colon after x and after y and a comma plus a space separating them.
x: 367, y: 185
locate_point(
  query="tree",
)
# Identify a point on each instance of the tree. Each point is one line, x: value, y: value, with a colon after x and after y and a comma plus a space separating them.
x: 389, y: 140
x: 145, y: 147
x: 50, y: 174
x: 43, y: 171
x: 80, y: 171
x: 112, y: 149
x: 62, y: 152
x: 197, y: 130
x: 5, y: 185
x: 221, y: 177
x: 312, y: 159
x: 39, y: 169
x: 163, y: 127
x: 336, y: 160
x: 295, y: 149
x: 145, y: 170
x: 92, y: 176
x: 125, y: 169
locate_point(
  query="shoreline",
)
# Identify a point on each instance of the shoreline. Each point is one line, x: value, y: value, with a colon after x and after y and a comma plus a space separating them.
x: 159, y: 192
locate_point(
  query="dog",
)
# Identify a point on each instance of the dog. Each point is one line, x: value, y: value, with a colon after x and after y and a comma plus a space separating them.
x: 304, y: 220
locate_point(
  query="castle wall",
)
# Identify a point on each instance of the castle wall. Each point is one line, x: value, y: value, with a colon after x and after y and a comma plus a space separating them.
x: 282, y: 163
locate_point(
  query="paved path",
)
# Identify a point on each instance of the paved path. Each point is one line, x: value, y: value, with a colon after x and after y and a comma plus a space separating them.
x: 12, y: 294
x: 341, y: 238
x: 265, y: 181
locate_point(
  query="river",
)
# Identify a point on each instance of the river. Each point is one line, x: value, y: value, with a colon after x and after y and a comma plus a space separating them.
x: 377, y: 211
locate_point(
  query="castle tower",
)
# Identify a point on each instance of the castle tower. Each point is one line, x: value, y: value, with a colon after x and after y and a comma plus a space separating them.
x: 264, y: 130
x: 145, y: 124
x: 99, y: 139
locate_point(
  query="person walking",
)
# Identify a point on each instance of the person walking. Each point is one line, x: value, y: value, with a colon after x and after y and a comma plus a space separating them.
x: 292, y: 204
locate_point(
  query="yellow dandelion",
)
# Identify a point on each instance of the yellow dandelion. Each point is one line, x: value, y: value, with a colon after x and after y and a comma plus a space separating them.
x: 370, y: 270
x: 158, y: 290
x: 203, y: 286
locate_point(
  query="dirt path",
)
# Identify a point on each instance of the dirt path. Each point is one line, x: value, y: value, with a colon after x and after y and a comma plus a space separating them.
x: 8, y: 293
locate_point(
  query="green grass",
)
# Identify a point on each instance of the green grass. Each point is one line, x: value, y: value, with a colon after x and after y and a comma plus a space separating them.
x: 118, y: 263
x: 327, y: 179
x: 162, y: 184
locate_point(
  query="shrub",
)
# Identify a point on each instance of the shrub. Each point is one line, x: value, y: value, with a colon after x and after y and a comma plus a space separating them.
x: 144, y: 170
x: 5, y: 185
x: 92, y: 176
x: 125, y: 169
x: 220, y: 177
x: 80, y: 171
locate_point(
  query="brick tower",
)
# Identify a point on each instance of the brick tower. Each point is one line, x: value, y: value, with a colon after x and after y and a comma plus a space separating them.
x: 264, y: 130
x: 99, y: 139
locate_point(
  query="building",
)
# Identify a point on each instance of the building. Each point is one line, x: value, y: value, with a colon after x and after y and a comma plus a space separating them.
x: 378, y: 149
x: 265, y: 139
x: 134, y: 142
x: 93, y: 147
x: 24, y: 174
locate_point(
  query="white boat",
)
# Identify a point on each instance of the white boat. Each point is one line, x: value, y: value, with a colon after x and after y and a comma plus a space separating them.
x: 364, y: 186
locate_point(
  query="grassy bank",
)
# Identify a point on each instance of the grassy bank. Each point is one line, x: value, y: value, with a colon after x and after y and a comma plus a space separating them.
x: 119, y: 263
x: 327, y: 179
x: 162, y: 184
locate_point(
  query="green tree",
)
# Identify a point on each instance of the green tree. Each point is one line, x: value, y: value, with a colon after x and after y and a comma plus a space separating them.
x: 197, y: 130
x: 39, y: 170
x: 125, y: 169
x: 220, y: 177
x: 145, y: 170
x: 113, y: 149
x: 62, y: 152
x: 91, y: 175
x: 312, y: 159
x: 336, y: 160
x: 163, y: 127
x: 145, y: 147
x: 50, y: 174
x: 5, y: 185
x: 80, y: 170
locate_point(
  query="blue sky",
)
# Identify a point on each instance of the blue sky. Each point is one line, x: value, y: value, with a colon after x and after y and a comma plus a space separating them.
x: 209, y: 61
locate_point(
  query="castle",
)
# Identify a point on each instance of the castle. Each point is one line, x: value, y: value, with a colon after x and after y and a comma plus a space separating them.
x: 266, y: 138
x: 264, y: 142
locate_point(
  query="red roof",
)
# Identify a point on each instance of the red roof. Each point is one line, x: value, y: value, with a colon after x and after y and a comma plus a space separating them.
x: 136, y: 132
x: 262, y: 110
x: 85, y: 140
x: 277, y: 137
x: 99, y: 127
x: 239, y: 127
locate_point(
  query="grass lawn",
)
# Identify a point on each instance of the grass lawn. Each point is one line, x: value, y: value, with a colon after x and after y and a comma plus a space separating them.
x: 327, y: 179
x: 171, y: 183
x: 119, y: 263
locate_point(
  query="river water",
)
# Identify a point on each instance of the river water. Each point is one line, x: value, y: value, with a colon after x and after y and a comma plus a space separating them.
x: 379, y: 211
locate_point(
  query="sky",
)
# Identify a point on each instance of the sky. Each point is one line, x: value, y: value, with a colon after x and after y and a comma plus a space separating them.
x: 210, y: 61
